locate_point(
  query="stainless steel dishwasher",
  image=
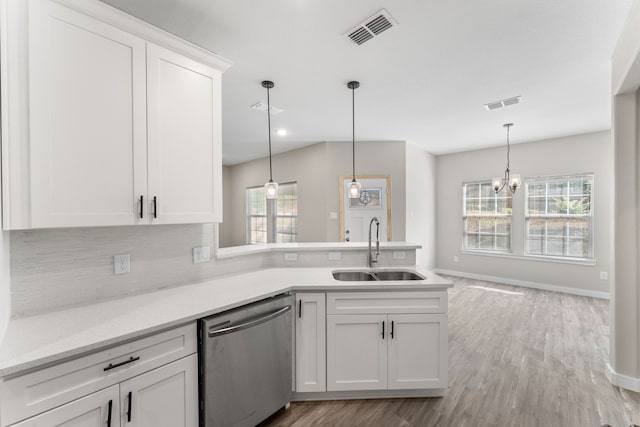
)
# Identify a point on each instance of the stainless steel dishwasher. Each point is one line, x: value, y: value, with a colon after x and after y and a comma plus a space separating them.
x: 245, y: 363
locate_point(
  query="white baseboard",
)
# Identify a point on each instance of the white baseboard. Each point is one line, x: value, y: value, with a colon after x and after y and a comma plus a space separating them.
x: 622, y: 381
x: 525, y: 284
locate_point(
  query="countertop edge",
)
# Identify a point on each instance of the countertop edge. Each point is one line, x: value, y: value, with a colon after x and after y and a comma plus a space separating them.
x: 13, y: 366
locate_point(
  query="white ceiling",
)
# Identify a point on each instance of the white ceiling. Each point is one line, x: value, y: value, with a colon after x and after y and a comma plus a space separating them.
x: 424, y: 81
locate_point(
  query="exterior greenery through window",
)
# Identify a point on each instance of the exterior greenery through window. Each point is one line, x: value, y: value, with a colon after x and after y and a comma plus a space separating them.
x: 559, y: 216
x: 272, y: 221
x: 487, y: 218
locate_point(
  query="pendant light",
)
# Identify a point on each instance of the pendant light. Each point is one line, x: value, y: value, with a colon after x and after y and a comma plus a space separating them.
x: 354, y: 186
x: 270, y: 188
x: 510, y: 181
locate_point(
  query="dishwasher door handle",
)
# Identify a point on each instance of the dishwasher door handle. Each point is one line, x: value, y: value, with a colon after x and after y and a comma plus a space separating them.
x: 240, y: 327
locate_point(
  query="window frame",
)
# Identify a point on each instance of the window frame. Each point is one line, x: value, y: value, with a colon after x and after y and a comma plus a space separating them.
x: 271, y: 216
x: 591, y: 216
x: 495, y: 215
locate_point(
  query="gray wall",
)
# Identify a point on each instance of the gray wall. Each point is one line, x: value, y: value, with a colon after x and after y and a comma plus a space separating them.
x: 316, y: 169
x: 574, y: 154
x: 421, y: 203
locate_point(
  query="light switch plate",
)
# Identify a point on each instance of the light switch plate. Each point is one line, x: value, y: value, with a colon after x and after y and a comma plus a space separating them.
x: 201, y: 254
x: 333, y: 215
x: 604, y: 275
x: 335, y: 256
x: 399, y: 254
x: 121, y: 264
x: 290, y: 256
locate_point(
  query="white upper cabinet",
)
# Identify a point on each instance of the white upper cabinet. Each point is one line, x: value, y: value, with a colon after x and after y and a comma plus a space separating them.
x: 104, y: 114
x: 185, y: 165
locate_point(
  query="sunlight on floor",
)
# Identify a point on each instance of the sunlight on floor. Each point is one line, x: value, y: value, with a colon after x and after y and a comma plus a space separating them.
x: 496, y: 290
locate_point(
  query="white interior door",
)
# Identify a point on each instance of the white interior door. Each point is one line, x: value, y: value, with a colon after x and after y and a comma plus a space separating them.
x: 358, y: 213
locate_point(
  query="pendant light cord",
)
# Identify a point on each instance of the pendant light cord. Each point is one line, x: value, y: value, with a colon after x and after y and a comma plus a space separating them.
x: 269, y: 124
x: 508, y: 147
x: 353, y: 130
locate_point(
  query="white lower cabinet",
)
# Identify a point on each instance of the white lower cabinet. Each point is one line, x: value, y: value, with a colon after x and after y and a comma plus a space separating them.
x: 96, y: 410
x: 311, y: 373
x: 152, y: 381
x: 380, y: 347
x: 167, y: 396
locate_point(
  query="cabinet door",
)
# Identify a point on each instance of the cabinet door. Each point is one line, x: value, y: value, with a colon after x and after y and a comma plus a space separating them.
x: 311, y: 374
x: 417, y: 351
x: 356, y: 352
x: 94, y: 410
x: 87, y: 112
x: 164, y: 397
x: 185, y: 164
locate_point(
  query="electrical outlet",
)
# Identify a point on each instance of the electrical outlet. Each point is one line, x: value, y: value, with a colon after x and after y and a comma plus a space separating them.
x: 604, y: 275
x: 290, y: 256
x: 121, y: 264
x: 399, y: 254
x: 201, y: 254
x: 333, y: 215
x: 455, y: 258
x: 335, y: 256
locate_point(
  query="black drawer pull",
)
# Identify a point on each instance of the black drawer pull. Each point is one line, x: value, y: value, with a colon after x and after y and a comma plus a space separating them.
x: 109, y: 414
x: 112, y: 366
x: 129, y: 408
x: 155, y: 207
x: 383, y: 329
x: 300, y: 309
x: 141, y: 206
x: 392, y: 329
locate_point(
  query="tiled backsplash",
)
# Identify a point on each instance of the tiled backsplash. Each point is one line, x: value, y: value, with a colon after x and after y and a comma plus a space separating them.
x: 55, y: 268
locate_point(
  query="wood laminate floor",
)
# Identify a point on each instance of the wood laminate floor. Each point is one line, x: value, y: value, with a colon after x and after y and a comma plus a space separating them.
x: 517, y: 357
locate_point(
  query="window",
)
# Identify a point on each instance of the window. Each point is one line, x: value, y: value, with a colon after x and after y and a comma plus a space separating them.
x: 270, y: 221
x: 559, y: 217
x: 487, y: 218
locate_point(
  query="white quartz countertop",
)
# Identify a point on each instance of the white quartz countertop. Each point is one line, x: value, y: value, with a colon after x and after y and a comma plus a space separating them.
x: 37, y: 340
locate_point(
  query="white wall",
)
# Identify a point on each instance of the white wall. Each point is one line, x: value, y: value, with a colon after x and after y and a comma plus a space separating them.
x: 5, y: 288
x: 569, y: 155
x: 624, y: 355
x: 421, y: 203
x: 317, y: 169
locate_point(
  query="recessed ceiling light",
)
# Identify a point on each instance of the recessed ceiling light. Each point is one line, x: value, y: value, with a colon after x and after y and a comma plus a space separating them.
x: 281, y: 132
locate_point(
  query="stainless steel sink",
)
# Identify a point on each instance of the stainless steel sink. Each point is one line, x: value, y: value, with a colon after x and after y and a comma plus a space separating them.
x: 384, y: 275
x: 397, y: 275
x: 353, y: 276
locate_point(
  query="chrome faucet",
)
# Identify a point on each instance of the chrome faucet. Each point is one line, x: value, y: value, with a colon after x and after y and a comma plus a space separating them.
x: 372, y: 258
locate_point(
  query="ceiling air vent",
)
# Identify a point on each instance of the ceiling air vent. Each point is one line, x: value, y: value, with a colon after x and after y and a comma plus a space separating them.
x: 371, y: 27
x: 261, y: 106
x: 503, y: 103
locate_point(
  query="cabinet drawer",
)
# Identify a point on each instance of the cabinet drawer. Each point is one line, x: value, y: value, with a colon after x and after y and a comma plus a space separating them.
x: 33, y: 393
x: 386, y: 302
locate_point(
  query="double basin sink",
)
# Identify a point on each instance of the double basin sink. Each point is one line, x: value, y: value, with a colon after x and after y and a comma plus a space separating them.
x: 372, y: 276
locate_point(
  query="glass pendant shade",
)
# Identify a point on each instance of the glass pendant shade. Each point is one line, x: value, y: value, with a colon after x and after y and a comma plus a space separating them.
x: 354, y: 189
x: 514, y: 182
x: 496, y: 183
x: 271, y: 189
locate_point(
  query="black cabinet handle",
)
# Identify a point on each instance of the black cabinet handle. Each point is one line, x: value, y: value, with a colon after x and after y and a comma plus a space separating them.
x: 141, y: 206
x: 155, y: 207
x: 383, y: 329
x: 109, y: 414
x: 111, y: 365
x: 299, y: 309
x: 129, y: 407
x: 392, y: 329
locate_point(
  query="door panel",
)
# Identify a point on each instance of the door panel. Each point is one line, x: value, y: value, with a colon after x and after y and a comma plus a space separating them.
x: 356, y: 352
x: 417, y: 351
x: 184, y: 138
x: 310, y: 342
x: 89, y: 411
x: 87, y: 119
